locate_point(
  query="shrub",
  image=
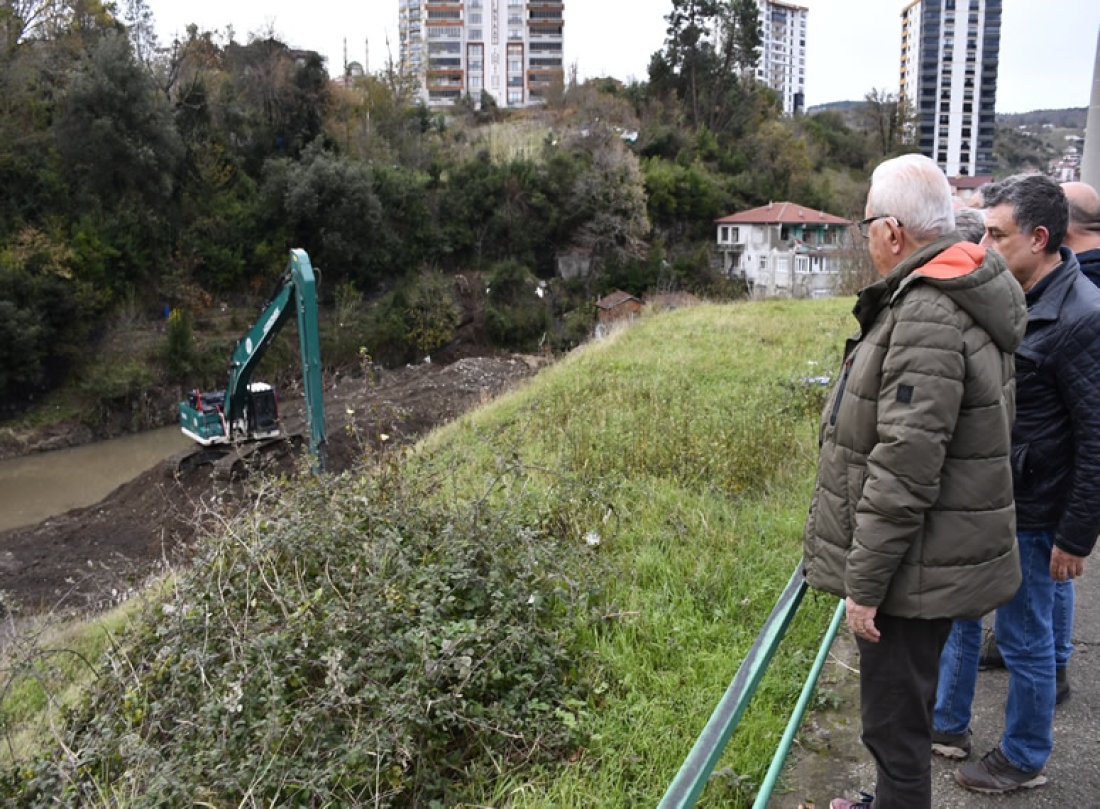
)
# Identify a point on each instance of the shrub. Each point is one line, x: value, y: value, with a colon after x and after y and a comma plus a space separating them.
x: 179, y: 347
x: 433, y: 312
x: 516, y: 316
x: 361, y: 645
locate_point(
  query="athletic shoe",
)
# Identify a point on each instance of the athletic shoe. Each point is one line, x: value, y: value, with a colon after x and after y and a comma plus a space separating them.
x: 951, y: 746
x: 865, y: 802
x: 994, y: 775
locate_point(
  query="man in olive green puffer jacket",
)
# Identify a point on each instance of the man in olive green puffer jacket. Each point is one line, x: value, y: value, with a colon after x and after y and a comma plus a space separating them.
x: 912, y: 518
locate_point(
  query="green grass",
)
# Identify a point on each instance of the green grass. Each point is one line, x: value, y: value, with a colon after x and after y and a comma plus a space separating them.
x: 46, y: 669
x: 685, y: 446
x: 689, y: 443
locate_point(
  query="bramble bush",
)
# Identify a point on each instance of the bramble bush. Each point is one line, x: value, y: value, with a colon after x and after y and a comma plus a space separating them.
x: 358, y: 643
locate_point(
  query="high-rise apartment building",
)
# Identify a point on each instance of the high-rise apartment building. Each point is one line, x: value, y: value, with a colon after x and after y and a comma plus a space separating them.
x: 782, y: 63
x: 949, y: 51
x: 511, y: 49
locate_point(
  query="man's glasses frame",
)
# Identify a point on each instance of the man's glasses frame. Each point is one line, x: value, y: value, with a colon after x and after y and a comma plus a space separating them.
x: 864, y: 225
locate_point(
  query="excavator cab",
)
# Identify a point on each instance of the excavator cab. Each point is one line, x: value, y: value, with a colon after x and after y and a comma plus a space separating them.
x: 263, y: 411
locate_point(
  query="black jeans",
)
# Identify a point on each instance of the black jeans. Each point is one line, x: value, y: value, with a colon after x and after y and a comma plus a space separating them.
x: 897, y: 692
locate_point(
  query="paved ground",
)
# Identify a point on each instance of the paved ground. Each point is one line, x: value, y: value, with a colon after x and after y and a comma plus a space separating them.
x: 830, y: 760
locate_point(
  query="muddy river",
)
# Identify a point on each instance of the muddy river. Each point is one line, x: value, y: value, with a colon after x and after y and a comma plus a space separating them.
x: 38, y: 486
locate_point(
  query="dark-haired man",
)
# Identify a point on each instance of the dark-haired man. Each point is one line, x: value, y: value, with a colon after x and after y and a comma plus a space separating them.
x: 1056, y: 481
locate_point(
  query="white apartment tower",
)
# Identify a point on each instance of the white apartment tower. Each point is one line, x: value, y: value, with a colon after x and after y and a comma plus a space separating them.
x: 511, y: 49
x: 782, y: 63
x: 949, y: 52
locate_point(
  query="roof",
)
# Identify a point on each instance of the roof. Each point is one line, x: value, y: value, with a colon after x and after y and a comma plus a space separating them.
x: 783, y: 213
x: 613, y: 299
x: 965, y: 181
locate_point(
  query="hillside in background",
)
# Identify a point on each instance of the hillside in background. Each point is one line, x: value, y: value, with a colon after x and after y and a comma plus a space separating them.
x: 1069, y: 118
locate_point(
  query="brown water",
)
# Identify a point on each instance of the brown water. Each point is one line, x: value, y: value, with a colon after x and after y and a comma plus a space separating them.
x: 38, y: 486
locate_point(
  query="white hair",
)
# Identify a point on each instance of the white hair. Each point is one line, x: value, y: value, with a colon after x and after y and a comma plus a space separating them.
x: 913, y: 190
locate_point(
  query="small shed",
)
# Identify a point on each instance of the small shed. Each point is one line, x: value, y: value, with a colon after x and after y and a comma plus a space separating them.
x: 617, y: 305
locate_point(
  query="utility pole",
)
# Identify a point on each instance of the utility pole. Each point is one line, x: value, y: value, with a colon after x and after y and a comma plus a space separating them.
x: 1090, y: 161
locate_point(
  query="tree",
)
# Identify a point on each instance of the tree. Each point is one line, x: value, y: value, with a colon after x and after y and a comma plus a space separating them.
x: 741, y: 36
x: 140, y: 26
x: 689, y: 54
x: 889, y: 121
x: 610, y: 201
x: 115, y: 130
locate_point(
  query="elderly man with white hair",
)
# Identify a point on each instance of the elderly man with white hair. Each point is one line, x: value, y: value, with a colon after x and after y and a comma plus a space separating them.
x: 912, y: 517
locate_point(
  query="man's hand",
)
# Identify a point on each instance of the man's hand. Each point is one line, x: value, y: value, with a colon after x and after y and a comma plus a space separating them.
x: 1064, y: 566
x: 861, y: 620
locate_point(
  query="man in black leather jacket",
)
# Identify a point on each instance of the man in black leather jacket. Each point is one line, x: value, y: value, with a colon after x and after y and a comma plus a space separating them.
x: 1056, y: 465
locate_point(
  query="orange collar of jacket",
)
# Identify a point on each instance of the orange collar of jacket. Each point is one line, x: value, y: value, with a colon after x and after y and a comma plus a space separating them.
x: 960, y: 259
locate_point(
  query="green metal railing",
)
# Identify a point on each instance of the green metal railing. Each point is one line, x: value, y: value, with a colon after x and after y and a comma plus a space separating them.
x: 689, y: 782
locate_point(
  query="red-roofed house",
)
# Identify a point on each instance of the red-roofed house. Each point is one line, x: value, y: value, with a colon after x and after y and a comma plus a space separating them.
x: 968, y: 188
x: 783, y: 249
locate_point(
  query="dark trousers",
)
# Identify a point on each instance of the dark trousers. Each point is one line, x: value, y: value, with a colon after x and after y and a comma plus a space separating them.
x: 897, y: 691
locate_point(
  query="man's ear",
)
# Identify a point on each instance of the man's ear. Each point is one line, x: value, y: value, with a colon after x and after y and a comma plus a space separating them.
x: 897, y: 238
x: 1040, y: 238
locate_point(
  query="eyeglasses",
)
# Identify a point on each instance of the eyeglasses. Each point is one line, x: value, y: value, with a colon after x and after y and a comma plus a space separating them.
x: 864, y: 225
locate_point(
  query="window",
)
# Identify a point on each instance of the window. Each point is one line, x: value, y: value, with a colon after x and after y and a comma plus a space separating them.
x: 763, y: 262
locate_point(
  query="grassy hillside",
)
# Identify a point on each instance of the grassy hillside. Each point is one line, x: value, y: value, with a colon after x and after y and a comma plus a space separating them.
x: 539, y: 607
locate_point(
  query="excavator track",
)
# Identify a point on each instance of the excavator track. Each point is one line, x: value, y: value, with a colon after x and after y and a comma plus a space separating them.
x: 230, y: 462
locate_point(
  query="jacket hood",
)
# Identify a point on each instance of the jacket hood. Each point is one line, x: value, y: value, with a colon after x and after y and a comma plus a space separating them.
x: 977, y: 280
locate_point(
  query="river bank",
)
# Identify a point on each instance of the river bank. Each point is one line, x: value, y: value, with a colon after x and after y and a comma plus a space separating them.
x: 89, y: 557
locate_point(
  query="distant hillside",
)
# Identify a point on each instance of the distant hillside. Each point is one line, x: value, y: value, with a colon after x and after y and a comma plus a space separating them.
x: 835, y: 106
x: 1070, y: 118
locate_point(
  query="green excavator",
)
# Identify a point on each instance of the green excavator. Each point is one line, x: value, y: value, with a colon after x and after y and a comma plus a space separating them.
x: 232, y: 425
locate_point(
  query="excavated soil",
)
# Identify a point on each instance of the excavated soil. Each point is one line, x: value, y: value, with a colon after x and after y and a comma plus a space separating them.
x: 93, y: 557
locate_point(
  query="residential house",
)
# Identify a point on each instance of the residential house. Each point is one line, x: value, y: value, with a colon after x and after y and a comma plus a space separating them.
x: 783, y: 250
x: 967, y: 189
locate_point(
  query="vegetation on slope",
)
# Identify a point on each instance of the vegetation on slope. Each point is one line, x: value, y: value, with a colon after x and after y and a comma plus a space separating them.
x: 540, y: 607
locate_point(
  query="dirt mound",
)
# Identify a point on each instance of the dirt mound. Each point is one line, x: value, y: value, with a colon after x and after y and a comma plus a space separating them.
x: 93, y: 557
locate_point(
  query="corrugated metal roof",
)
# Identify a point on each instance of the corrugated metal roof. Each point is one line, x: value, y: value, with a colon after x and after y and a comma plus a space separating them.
x: 613, y: 299
x: 783, y: 213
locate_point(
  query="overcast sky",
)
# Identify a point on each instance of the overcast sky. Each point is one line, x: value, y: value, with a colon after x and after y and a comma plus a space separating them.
x: 1048, y: 48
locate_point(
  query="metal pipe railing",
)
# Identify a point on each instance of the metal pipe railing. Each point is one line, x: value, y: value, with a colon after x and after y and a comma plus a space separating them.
x: 765, y: 793
x: 685, y: 789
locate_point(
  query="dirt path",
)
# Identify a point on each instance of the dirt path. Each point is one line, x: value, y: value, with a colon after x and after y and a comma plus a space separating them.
x: 93, y: 557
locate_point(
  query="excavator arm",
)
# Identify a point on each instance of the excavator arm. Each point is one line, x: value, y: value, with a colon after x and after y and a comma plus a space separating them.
x: 246, y: 410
